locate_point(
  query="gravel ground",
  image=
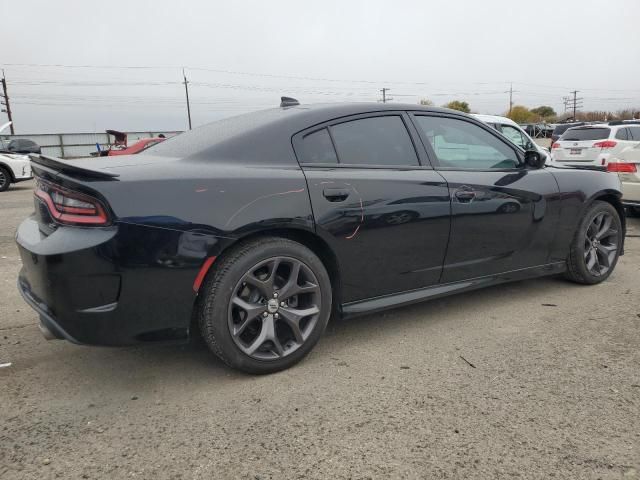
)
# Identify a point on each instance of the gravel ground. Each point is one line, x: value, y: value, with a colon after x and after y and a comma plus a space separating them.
x: 534, y: 379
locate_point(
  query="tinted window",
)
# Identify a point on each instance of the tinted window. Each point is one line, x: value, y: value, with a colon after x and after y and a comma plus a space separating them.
x: 622, y: 134
x: 634, y: 133
x: 317, y: 148
x: 577, y: 134
x: 515, y: 136
x: 560, y: 129
x: 374, y: 141
x: 460, y: 144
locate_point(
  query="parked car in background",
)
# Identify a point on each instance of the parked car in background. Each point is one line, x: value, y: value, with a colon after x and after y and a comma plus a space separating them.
x: 256, y: 229
x: 594, y: 144
x: 120, y: 146
x: 626, y: 164
x: 513, y: 132
x: 15, y: 165
x: 560, y: 128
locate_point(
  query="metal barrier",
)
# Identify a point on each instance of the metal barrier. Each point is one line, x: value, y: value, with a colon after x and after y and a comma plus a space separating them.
x: 79, y: 145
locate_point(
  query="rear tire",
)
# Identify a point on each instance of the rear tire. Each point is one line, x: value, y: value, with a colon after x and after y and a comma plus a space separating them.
x: 633, y: 211
x: 5, y: 179
x: 596, y: 245
x: 265, y: 305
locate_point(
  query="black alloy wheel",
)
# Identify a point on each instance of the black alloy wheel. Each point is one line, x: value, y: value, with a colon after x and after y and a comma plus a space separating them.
x: 265, y: 304
x: 596, y: 246
x: 274, y: 308
x: 601, y: 244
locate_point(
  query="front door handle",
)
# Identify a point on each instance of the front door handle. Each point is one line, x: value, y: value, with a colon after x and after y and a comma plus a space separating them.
x: 465, y: 195
x: 336, y: 194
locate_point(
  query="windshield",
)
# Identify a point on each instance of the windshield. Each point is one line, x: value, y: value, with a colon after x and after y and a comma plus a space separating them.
x: 576, y: 134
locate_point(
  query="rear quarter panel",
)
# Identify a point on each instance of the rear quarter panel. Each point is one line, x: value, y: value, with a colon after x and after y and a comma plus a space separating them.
x: 578, y: 190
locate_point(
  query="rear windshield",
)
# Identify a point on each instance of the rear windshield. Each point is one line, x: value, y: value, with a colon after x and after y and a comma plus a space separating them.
x: 560, y: 129
x: 200, y: 138
x: 576, y: 134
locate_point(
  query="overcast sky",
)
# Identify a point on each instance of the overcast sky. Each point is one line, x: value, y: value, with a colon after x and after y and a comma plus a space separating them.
x: 243, y: 55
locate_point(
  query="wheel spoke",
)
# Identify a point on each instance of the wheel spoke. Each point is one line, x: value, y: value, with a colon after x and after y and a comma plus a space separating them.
x: 606, y: 252
x: 267, y: 334
x: 605, y: 226
x: 264, y: 286
x: 290, y: 288
x: 252, y: 310
x: 259, y: 340
x: 591, y: 260
x: 293, y: 317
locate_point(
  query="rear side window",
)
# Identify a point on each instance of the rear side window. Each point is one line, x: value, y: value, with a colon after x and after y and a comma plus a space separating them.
x: 577, y: 134
x: 318, y: 148
x: 622, y: 134
x: 374, y: 141
x: 634, y: 133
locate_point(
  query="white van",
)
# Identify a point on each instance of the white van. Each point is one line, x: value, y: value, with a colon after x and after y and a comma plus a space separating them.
x: 513, y: 132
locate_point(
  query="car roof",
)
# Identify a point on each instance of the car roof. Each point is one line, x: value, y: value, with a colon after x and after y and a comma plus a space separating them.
x: 495, y: 119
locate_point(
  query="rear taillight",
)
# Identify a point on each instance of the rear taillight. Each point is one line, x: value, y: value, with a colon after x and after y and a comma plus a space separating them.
x: 605, y: 144
x: 69, y: 207
x: 555, y: 145
x: 620, y: 167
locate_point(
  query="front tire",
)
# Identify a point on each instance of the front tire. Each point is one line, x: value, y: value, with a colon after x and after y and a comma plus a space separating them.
x: 5, y: 179
x: 596, y: 245
x: 265, y: 305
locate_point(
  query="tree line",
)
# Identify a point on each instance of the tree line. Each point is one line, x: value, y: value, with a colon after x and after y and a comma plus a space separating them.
x: 546, y: 114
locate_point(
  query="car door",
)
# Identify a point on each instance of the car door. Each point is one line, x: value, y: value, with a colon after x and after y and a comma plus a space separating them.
x: 503, y: 213
x: 377, y: 202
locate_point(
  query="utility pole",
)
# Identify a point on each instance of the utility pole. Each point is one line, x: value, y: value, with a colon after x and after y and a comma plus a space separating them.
x: 186, y: 91
x: 384, y: 94
x: 572, y: 103
x: 510, y: 98
x: 4, y: 101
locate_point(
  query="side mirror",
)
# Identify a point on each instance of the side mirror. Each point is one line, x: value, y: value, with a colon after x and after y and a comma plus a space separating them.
x: 533, y: 159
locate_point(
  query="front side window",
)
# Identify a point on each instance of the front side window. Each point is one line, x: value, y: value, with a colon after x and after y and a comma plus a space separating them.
x: 515, y: 136
x: 463, y: 145
x: 374, y: 141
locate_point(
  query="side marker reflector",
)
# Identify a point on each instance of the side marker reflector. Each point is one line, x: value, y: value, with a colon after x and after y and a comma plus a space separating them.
x: 203, y: 273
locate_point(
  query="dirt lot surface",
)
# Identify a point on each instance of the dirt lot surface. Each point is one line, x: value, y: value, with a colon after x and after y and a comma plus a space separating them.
x: 550, y: 388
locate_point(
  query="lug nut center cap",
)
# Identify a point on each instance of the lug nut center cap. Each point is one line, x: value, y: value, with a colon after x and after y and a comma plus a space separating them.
x: 272, y: 305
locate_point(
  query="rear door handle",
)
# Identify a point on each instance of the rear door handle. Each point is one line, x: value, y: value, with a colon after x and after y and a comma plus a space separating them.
x: 465, y: 195
x: 335, y: 194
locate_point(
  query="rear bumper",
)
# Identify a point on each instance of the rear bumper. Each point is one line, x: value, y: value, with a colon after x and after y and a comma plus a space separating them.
x: 48, y: 325
x: 631, y: 193
x: 106, y: 286
x: 23, y: 179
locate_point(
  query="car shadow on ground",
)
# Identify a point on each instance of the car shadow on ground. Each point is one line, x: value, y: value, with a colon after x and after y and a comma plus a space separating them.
x: 193, y: 361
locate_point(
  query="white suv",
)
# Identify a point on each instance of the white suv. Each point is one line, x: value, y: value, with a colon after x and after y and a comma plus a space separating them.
x: 14, y: 167
x: 594, y: 144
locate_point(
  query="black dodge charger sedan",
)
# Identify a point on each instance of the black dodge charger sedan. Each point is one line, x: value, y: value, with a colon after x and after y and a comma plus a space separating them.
x: 256, y: 229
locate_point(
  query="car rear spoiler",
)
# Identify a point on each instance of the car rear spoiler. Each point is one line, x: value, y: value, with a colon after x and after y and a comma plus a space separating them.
x: 70, y: 168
